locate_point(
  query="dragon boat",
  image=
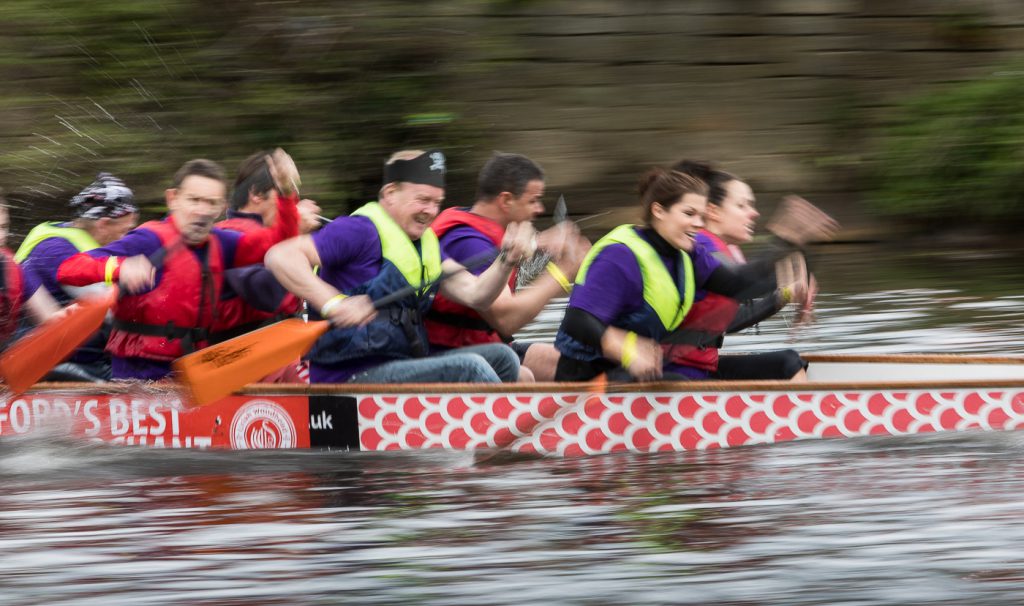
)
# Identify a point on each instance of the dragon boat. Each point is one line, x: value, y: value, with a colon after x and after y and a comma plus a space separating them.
x: 848, y: 395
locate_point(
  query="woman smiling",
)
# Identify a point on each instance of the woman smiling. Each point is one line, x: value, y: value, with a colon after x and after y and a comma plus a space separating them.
x: 638, y: 283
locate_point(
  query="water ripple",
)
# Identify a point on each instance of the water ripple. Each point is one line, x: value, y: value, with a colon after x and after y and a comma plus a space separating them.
x: 931, y: 519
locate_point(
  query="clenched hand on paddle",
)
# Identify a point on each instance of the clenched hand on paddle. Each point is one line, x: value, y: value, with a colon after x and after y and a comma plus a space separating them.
x: 217, y: 371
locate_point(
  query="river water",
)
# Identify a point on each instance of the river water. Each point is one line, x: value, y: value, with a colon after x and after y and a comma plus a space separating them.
x: 910, y: 520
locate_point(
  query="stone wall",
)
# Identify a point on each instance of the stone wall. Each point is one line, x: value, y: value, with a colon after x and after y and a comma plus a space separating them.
x: 783, y: 92
x: 786, y: 93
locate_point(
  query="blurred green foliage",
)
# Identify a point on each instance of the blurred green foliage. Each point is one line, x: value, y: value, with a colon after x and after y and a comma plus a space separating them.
x: 955, y: 158
x: 137, y: 87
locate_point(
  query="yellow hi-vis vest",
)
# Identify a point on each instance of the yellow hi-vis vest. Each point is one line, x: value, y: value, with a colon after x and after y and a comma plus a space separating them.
x: 665, y: 301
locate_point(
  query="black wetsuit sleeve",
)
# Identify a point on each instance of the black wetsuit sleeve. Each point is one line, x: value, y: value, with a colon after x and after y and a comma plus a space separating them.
x: 256, y: 285
x: 778, y: 248
x: 753, y: 311
x: 584, y: 327
x: 741, y: 282
x: 753, y: 279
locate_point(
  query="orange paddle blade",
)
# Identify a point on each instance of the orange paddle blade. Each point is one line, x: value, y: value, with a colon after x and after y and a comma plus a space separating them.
x: 45, y: 346
x: 219, y: 370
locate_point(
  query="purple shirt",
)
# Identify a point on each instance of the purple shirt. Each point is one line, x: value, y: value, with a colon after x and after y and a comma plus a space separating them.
x: 138, y: 369
x: 614, y: 284
x: 30, y: 284
x: 41, y: 264
x: 465, y: 244
x: 141, y: 241
x: 705, y: 241
x: 349, y: 250
x: 350, y: 255
x: 43, y: 261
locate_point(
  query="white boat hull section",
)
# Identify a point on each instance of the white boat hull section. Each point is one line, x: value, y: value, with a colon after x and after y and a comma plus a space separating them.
x: 912, y: 369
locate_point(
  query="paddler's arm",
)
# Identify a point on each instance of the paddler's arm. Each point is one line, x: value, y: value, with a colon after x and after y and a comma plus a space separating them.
x: 42, y: 306
x: 292, y: 263
x: 796, y: 224
x: 309, y: 216
x: 107, y: 263
x: 510, y: 312
x: 38, y: 301
x: 747, y: 281
x: 760, y: 278
x: 641, y: 356
x: 256, y: 285
x: 44, y: 260
x: 753, y: 311
x: 479, y: 292
x: 252, y: 246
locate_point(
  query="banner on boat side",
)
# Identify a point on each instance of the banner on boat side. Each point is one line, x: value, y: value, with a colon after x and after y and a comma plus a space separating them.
x: 562, y: 424
x: 162, y: 420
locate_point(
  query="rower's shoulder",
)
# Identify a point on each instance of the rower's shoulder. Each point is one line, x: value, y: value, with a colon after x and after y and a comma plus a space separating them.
x: 349, y: 226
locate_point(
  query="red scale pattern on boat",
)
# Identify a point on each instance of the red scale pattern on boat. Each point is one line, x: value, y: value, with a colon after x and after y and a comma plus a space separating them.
x: 572, y: 424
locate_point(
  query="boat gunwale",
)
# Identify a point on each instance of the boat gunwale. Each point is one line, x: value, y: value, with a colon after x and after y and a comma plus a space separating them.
x: 948, y: 358
x: 555, y: 388
x: 543, y: 389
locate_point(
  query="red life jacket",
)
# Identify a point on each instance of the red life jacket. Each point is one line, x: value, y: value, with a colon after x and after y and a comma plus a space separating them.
x: 708, y: 317
x: 175, y: 317
x: 448, y: 323
x: 234, y: 315
x: 11, y: 291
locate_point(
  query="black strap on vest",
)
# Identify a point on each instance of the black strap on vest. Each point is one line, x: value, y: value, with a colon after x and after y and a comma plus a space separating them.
x: 696, y: 338
x: 189, y: 336
x: 681, y: 278
x: 409, y: 319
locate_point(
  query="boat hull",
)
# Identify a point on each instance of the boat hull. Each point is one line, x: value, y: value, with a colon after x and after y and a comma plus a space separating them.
x: 550, y: 423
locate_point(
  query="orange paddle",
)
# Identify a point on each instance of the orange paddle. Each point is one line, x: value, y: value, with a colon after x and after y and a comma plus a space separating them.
x: 217, y: 371
x: 28, y: 360
x: 45, y: 346
x: 214, y: 372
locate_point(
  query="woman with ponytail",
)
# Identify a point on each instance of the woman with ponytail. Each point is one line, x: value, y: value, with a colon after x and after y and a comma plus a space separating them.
x: 638, y: 283
x: 728, y: 223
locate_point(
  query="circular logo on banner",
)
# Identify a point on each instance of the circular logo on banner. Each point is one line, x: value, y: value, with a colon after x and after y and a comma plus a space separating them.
x: 262, y: 424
